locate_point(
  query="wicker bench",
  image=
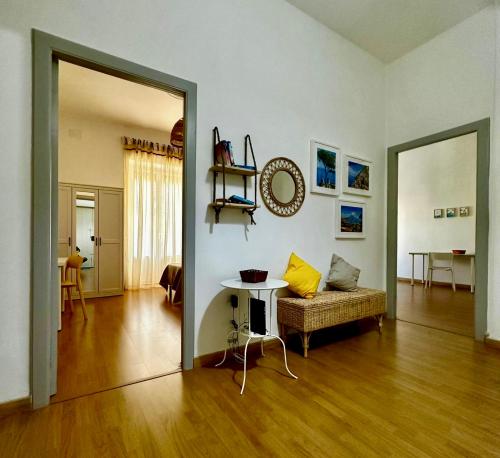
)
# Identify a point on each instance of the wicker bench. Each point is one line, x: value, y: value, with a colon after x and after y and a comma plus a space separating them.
x: 329, y: 308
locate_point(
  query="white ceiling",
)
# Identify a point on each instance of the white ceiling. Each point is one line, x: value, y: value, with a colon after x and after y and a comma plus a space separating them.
x: 98, y: 95
x: 388, y: 29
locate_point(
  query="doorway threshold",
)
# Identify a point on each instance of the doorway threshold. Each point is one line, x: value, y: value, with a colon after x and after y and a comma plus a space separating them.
x: 114, y: 387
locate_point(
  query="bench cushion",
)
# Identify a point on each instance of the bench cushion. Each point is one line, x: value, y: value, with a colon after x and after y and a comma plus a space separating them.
x: 302, y: 278
x: 343, y: 276
x: 329, y: 308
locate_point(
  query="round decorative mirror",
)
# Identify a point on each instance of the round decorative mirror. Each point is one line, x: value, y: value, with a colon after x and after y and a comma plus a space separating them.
x: 282, y: 186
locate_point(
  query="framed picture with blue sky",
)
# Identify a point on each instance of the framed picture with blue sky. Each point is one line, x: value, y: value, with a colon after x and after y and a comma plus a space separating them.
x: 325, y: 168
x: 356, y: 176
x: 350, y: 220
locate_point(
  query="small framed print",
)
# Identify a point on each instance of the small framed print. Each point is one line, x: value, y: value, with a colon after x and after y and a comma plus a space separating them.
x: 325, y: 167
x: 438, y: 213
x: 464, y: 211
x: 350, y: 220
x: 356, y: 176
x: 451, y: 212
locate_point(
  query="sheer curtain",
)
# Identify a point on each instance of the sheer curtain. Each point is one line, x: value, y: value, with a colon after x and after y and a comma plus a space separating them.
x: 153, y: 217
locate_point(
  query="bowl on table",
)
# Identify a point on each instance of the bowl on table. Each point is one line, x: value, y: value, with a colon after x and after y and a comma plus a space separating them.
x: 253, y: 275
x: 458, y: 251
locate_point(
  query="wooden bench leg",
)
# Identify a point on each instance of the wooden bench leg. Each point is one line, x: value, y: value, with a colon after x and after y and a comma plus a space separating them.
x: 305, y: 336
x: 284, y: 332
x: 380, y: 319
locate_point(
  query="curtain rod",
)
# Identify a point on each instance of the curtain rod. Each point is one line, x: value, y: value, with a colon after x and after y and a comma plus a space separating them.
x: 147, y: 146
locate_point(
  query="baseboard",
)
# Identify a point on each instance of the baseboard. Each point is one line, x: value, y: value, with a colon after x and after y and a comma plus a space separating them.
x: 18, y: 405
x: 492, y: 343
x: 211, y: 359
x: 434, y: 282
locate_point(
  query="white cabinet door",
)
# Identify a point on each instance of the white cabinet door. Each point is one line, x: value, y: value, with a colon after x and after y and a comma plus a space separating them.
x: 110, y: 242
x: 64, y: 222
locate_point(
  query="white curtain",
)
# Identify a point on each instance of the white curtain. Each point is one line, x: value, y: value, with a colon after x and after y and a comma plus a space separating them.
x: 153, y: 217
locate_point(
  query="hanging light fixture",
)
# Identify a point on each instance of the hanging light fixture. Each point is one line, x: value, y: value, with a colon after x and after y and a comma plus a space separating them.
x: 177, y: 134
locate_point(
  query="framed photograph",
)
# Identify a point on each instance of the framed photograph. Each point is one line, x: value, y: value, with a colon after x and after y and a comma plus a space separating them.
x: 356, y: 176
x: 451, y: 212
x: 464, y: 211
x: 325, y: 167
x: 438, y: 213
x: 350, y: 220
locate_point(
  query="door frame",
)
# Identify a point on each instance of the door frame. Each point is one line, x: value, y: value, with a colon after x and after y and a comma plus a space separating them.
x: 482, y: 129
x: 47, y: 50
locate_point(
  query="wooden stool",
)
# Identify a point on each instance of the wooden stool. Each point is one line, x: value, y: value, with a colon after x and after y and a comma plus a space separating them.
x: 75, y: 262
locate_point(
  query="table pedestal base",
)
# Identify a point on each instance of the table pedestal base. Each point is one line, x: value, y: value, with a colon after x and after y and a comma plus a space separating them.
x: 262, y: 353
x: 244, y: 328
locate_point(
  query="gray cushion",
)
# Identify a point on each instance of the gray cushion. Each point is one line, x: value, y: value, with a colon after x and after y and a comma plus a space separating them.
x: 342, y: 275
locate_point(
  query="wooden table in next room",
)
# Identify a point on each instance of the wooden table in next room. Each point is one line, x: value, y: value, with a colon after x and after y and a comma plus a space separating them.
x: 470, y: 256
x: 413, y: 254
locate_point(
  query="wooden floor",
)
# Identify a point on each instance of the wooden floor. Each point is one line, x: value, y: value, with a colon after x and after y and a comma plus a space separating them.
x: 438, y: 307
x: 414, y: 391
x: 126, y: 338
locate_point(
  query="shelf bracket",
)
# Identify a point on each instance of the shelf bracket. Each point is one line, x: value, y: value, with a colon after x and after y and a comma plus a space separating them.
x: 217, y: 214
x: 250, y: 213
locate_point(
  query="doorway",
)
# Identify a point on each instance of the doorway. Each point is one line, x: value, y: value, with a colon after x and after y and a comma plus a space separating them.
x: 436, y: 234
x: 120, y: 161
x: 479, y: 212
x: 48, y: 52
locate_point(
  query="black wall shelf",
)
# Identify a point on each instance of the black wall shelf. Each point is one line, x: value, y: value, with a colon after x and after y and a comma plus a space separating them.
x: 223, y: 169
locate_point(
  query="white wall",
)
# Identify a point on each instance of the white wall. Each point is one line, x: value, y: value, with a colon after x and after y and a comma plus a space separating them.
x: 90, y: 149
x: 262, y: 67
x: 447, y: 82
x: 444, y: 83
x: 440, y: 175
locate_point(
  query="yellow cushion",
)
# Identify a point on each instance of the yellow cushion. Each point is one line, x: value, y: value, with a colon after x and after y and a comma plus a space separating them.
x: 303, y: 279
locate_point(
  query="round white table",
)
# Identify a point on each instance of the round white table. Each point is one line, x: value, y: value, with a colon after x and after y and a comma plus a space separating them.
x: 271, y: 285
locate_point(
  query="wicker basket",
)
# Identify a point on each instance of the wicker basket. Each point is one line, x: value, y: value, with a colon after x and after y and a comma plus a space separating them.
x: 253, y: 275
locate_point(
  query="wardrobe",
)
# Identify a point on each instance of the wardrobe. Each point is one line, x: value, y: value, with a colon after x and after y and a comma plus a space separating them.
x: 91, y: 224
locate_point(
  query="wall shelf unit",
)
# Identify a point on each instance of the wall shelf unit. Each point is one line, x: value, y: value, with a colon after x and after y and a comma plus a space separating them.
x: 219, y: 203
x: 232, y: 205
x: 233, y: 170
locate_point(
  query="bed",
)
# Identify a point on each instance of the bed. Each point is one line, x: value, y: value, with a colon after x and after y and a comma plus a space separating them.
x: 171, y: 280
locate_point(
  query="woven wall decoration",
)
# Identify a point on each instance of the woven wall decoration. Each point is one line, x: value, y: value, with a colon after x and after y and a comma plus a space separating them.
x: 291, y: 184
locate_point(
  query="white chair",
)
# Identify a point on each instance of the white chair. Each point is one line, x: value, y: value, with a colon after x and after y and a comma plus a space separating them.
x: 444, y: 264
